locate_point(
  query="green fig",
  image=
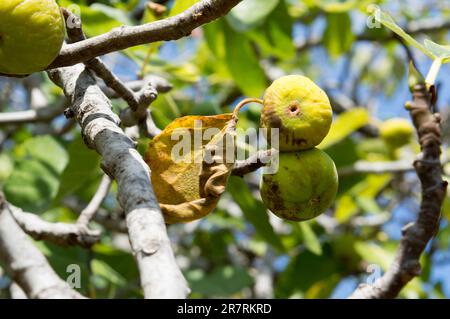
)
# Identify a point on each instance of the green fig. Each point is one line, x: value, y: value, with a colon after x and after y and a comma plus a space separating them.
x: 299, y: 109
x: 31, y: 35
x: 396, y: 132
x: 304, y: 186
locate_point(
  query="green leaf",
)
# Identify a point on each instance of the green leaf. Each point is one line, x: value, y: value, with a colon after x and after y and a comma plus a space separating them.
x: 338, y: 36
x: 181, y: 5
x: 104, y: 270
x: 334, y: 6
x: 310, y: 239
x: 60, y: 258
x: 373, y: 253
x: 254, y: 211
x: 221, y: 282
x: 389, y: 22
x: 32, y: 185
x: 35, y: 179
x: 303, y: 271
x: 6, y: 166
x: 250, y: 13
x: 345, y: 124
x: 84, y: 165
x: 98, y: 19
x: 275, y: 36
x: 361, y: 196
x: 439, y: 51
x: 48, y: 151
x: 243, y: 64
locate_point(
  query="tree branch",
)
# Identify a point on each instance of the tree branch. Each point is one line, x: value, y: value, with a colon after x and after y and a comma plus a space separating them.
x: 124, y: 37
x: 138, y: 102
x: 416, y: 235
x: 58, y: 233
x: 25, y: 264
x: 44, y: 114
x: 112, y: 221
x: 88, y: 213
x: 253, y: 163
x: 160, y: 276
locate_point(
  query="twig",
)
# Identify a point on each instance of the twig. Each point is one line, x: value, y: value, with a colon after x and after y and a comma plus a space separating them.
x: 261, y: 158
x: 416, y: 235
x: 88, y: 213
x: 160, y: 276
x: 58, y: 233
x: 138, y: 102
x: 363, y: 167
x: 39, y: 115
x: 124, y: 37
x: 25, y: 264
x: 112, y: 221
x: 160, y: 84
x: 253, y: 163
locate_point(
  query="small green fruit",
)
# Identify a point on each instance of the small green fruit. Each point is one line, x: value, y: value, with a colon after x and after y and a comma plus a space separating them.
x: 299, y: 109
x: 396, y: 132
x: 304, y: 186
x: 31, y: 35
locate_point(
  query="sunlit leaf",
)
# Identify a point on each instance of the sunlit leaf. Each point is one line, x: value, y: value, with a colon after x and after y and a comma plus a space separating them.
x: 389, y: 22
x: 254, y: 211
x: 345, y: 124
x: 243, y: 64
x: 375, y: 254
x: 83, y: 166
x: 361, y: 196
x: 250, y: 13
x: 338, y: 36
x: 335, y: 6
x: 440, y: 51
x: 310, y: 239
x: 181, y: 5
x: 222, y: 281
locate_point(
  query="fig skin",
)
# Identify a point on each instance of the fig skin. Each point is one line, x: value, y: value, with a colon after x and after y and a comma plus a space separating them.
x: 299, y: 109
x: 396, y: 132
x: 31, y: 35
x: 304, y: 187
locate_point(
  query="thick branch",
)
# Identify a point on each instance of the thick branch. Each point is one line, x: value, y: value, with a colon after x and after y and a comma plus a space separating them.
x: 416, y: 235
x: 160, y: 276
x: 172, y: 28
x: 25, y: 264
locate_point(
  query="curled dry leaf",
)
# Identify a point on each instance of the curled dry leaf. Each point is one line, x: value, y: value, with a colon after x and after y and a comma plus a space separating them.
x: 191, y: 161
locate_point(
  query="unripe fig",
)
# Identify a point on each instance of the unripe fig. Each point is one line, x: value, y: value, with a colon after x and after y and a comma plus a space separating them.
x: 396, y: 132
x: 31, y: 35
x: 304, y: 186
x: 299, y: 109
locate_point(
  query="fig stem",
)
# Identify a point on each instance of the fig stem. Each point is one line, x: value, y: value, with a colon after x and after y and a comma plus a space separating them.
x: 244, y: 102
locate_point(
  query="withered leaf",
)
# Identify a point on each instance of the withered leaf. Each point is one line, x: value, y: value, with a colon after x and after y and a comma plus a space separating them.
x: 188, y: 184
